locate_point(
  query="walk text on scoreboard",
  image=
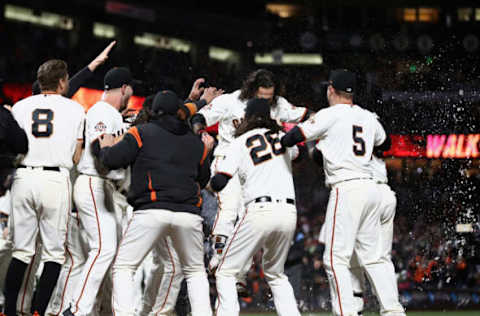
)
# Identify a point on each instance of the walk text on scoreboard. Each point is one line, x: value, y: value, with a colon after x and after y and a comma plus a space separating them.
x: 438, y: 146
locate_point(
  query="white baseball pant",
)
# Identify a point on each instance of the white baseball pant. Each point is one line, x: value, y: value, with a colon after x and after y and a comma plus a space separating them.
x: 41, y: 201
x: 230, y: 211
x: 163, y: 286
x: 270, y: 226
x: 387, y: 214
x: 77, y: 252
x: 151, y: 226
x: 94, y: 199
x: 353, y: 224
x: 230, y: 205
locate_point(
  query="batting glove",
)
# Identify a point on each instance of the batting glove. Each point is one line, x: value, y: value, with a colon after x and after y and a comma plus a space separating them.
x: 218, y: 244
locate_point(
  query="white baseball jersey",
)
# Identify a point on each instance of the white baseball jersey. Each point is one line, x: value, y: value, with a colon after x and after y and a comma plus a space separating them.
x: 257, y: 156
x: 228, y: 110
x: 102, y: 118
x: 379, y: 169
x: 5, y: 203
x: 347, y: 135
x: 53, y: 125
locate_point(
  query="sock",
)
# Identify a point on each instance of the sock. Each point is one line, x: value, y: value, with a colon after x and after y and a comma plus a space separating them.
x: 13, y: 283
x: 181, y: 308
x: 46, y: 285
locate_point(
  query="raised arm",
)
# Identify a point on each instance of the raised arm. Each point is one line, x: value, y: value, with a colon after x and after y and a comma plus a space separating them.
x: 87, y: 72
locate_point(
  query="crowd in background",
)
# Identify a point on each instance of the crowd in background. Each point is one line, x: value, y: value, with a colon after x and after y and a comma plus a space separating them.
x: 427, y: 252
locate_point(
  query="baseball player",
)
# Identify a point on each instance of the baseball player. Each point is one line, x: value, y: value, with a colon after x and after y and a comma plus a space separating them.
x: 74, y: 250
x: 270, y: 218
x: 229, y: 110
x: 163, y: 281
x: 387, y: 214
x: 96, y: 191
x: 387, y: 211
x: 348, y: 135
x: 54, y: 126
x: 159, y: 151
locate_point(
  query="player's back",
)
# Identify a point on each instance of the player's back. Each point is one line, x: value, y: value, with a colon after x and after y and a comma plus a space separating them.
x: 101, y: 118
x: 265, y: 168
x: 228, y: 110
x: 53, y: 125
x: 347, y: 145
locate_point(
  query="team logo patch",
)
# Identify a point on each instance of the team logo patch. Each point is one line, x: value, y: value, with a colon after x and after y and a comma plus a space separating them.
x: 100, y: 127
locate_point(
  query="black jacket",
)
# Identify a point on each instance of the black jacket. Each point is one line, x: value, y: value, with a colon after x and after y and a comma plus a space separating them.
x: 169, y: 165
x: 13, y: 139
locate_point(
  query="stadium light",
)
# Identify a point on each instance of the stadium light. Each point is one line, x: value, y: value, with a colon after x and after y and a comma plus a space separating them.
x: 49, y: 19
x: 104, y: 30
x: 163, y: 42
x: 223, y: 54
x: 290, y: 59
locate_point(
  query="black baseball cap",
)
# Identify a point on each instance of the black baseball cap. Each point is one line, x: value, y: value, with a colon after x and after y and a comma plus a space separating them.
x: 258, y: 107
x: 117, y: 77
x: 342, y: 80
x: 167, y: 102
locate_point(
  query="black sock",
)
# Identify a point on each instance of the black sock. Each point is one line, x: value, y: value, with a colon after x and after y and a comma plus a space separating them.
x: 13, y: 283
x: 45, y: 287
x: 181, y: 307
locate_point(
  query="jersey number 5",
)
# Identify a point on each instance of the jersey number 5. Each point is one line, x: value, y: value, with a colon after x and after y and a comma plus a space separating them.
x: 42, y: 122
x: 359, y: 146
x: 257, y: 153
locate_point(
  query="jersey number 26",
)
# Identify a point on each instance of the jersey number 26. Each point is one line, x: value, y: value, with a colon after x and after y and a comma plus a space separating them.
x: 259, y: 143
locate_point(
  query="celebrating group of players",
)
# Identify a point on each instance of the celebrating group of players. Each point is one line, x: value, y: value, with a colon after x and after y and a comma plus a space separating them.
x: 163, y: 159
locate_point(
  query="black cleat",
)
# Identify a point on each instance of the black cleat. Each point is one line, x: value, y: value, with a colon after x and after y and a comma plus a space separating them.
x: 67, y: 312
x: 242, y: 290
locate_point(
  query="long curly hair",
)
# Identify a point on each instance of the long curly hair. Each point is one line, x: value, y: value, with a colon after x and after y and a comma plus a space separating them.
x: 254, y: 121
x: 260, y: 78
x: 146, y: 113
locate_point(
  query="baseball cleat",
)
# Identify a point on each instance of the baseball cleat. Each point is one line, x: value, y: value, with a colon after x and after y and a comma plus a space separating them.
x: 242, y: 290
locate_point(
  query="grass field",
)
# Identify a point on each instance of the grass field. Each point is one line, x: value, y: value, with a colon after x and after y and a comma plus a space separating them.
x: 419, y: 313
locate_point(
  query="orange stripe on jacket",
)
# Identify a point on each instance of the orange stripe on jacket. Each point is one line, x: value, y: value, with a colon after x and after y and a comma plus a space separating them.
x: 134, y: 132
x: 153, y: 194
x: 204, y: 156
x: 192, y: 107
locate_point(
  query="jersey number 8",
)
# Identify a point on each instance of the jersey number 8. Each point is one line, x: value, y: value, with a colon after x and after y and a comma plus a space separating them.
x: 257, y: 153
x: 42, y: 123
